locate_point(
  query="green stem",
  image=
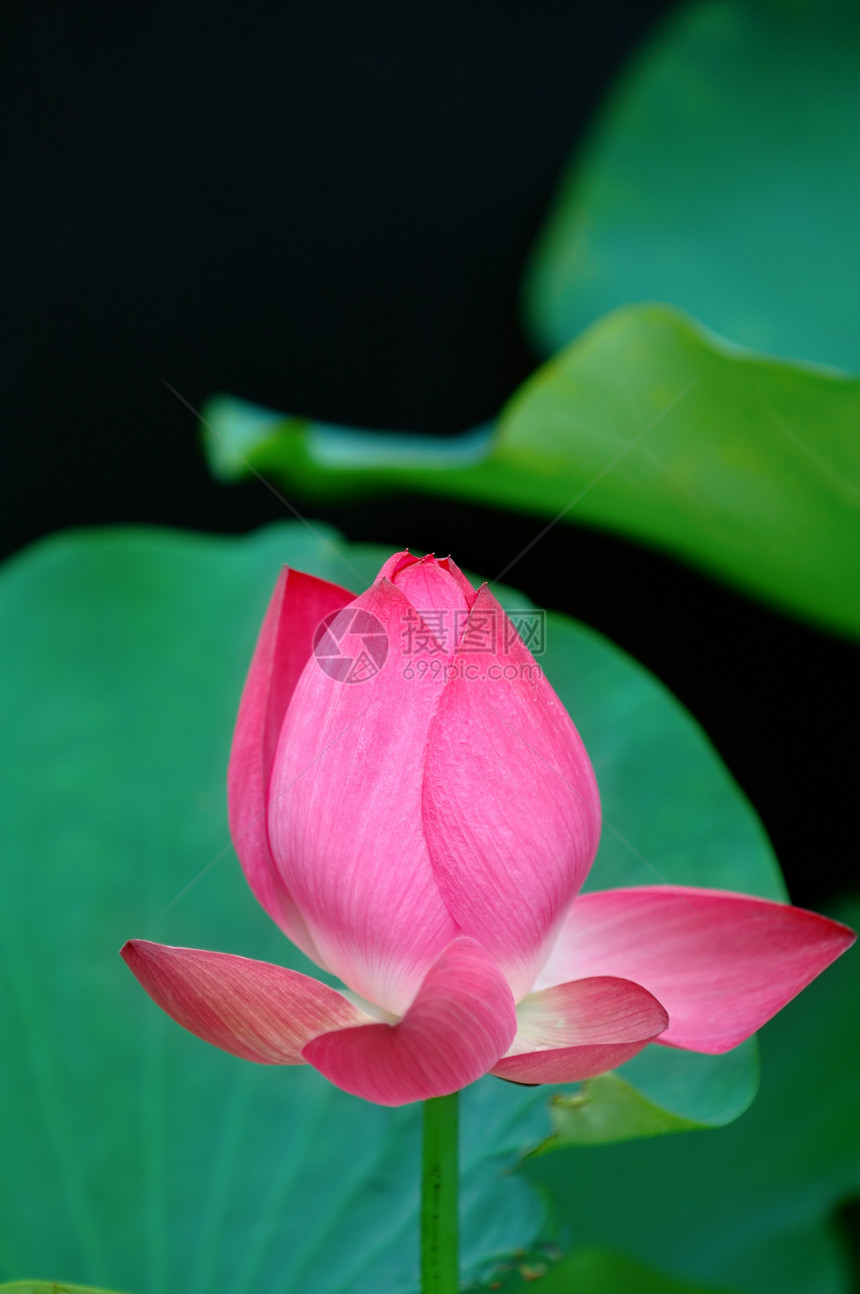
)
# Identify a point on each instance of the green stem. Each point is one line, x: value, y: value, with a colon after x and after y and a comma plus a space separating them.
x: 439, y: 1188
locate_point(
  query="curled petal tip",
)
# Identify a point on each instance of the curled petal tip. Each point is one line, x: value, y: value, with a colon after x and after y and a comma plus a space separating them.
x: 461, y: 1022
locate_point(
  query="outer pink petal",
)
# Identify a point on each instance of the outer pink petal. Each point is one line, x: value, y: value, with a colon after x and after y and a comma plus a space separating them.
x: 396, y: 563
x: 400, y: 561
x: 460, y: 1023
x: 345, y: 821
x: 468, y: 590
x: 722, y: 964
x: 249, y: 1008
x: 284, y: 646
x: 576, y: 1030
x: 438, y: 598
x: 403, y: 562
x: 511, y: 809
x: 602, y: 1009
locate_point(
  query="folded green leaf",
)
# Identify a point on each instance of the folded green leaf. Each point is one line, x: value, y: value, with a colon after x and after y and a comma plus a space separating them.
x: 691, y: 1091
x: 594, y: 1271
x: 746, y: 467
x: 722, y: 177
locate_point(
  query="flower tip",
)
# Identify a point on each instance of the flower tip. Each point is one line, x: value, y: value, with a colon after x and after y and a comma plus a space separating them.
x: 848, y: 937
x: 134, y: 953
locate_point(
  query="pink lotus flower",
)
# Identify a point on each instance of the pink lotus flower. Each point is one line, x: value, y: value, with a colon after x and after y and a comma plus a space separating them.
x: 413, y: 806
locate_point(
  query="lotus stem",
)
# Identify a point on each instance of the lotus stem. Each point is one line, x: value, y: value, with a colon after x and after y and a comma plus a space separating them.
x: 439, y: 1197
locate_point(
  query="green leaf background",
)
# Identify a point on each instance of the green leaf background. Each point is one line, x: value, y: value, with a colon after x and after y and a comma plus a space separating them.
x: 721, y: 182
x: 136, y: 1157
x: 649, y: 426
x: 748, y: 467
x: 722, y: 177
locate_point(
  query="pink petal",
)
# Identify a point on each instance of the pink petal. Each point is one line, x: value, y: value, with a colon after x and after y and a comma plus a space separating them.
x: 252, y: 1009
x: 585, y: 1011
x: 460, y: 1023
x: 408, y: 572
x: 468, y: 590
x: 284, y: 646
x: 396, y: 563
x: 400, y: 561
x: 574, y: 1031
x: 722, y: 964
x: 345, y: 821
x: 567, y: 1064
x: 511, y: 809
x: 438, y: 598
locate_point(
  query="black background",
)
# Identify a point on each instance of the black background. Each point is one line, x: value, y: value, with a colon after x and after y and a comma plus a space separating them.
x: 325, y: 207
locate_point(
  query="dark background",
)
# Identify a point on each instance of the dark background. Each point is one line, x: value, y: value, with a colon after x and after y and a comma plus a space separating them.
x: 325, y: 207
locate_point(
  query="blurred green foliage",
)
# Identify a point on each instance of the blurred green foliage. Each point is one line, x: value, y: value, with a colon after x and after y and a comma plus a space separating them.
x: 648, y: 426
x: 723, y: 177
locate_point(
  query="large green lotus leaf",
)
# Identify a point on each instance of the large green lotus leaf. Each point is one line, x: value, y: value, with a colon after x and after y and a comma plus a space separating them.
x: 136, y: 1157
x: 722, y: 177
x: 750, y: 1207
x: 746, y: 467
